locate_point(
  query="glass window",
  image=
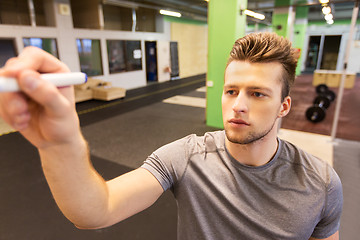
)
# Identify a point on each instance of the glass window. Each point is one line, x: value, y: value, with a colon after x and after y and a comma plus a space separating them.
x: 117, y: 18
x: 116, y: 56
x: 15, y: 12
x: 146, y: 19
x: 47, y: 44
x: 90, y: 56
x: 7, y: 50
x: 124, y: 55
x: 85, y: 14
x: 44, y: 13
x: 133, y: 55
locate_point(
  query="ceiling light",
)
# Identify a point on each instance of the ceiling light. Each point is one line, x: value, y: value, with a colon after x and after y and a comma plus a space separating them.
x: 170, y: 13
x: 326, y: 10
x: 329, y: 17
x: 324, y: 1
x: 330, y: 21
x: 254, y: 14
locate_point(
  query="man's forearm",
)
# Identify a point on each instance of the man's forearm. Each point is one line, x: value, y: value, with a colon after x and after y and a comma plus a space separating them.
x: 79, y: 191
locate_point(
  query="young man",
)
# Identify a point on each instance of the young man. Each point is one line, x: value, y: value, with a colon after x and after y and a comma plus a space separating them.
x: 241, y: 183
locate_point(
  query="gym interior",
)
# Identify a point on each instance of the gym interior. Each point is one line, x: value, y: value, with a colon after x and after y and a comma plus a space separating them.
x: 155, y: 78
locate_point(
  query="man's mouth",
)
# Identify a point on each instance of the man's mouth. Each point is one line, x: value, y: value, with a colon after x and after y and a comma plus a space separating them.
x: 238, y: 121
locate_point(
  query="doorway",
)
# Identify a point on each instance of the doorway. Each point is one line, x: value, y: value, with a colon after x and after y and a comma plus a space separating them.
x: 322, y: 52
x: 313, y: 53
x: 174, y: 59
x: 330, y: 52
x: 151, y: 61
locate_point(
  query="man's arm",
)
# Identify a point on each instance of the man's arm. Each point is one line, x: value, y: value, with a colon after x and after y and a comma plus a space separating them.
x: 86, y: 199
x: 46, y: 116
x: 335, y: 236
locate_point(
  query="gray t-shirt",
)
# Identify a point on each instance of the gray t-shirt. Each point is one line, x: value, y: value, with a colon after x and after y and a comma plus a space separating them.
x: 294, y: 196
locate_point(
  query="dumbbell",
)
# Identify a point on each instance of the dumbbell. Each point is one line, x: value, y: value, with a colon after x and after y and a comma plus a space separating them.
x: 322, y: 89
x: 317, y: 112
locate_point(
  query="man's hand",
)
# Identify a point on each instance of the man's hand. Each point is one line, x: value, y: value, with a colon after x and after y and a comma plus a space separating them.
x: 42, y: 113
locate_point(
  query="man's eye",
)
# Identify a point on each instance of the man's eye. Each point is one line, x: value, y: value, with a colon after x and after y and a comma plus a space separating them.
x: 258, y: 94
x: 230, y: 92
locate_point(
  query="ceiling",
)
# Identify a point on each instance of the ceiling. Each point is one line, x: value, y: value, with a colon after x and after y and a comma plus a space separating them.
x: 197, y: 9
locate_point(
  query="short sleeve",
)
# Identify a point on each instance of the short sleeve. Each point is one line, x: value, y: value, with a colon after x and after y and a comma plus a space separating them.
x: 330, y: 222
x: 169, y: 162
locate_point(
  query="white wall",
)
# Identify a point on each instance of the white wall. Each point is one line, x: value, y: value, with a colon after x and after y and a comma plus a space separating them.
x: 66, y: 37
x: 354, y: 57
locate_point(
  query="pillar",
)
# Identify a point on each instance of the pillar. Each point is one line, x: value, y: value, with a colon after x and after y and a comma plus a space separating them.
x: 225, y: 25
x: 283, y: 18
x: 301, y: 22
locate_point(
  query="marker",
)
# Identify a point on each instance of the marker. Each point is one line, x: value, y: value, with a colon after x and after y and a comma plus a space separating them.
x: 8, y: 84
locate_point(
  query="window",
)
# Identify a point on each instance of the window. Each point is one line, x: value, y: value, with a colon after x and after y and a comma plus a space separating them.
x: 133, y: 55
x: 7, y: 50
x: 116, y: 56
x: 44, y: 13
x: 47, y: 44
x: 14, y: 12
x: 146, y: 19
x: 90, y: 56
x: 124, y: 55
x: 117, y: 18
x: 85, y: 14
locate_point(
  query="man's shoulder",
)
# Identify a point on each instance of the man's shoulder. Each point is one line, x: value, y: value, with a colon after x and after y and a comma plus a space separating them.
x: 209, y: 138
x: 308, y: 162
x: 192, y: 143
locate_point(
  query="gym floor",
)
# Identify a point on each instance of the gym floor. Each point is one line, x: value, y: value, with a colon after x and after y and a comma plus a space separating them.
x: 122, y: 133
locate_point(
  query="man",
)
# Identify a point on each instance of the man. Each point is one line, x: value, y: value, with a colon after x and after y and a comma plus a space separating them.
x: 241, y: 183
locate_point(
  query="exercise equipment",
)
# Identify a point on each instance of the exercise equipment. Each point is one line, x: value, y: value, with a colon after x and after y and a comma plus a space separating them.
x: 317, y: 112
x: 322, y: 89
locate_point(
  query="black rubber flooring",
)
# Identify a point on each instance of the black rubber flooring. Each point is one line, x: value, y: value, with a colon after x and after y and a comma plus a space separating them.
x: 94, y: 110
x: 27, y: 210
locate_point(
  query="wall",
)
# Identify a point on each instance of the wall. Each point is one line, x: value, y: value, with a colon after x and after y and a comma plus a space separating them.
x: 354, y: 57
x: 192, y: 46
x: 66, y: 37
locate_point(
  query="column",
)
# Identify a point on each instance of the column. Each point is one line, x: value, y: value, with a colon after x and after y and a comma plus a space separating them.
x: 283, y: 18
x: 225, y: 25
x: 300, y: 27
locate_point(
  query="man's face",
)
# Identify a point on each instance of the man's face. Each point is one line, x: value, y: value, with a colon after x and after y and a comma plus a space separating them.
x: 251, y: 100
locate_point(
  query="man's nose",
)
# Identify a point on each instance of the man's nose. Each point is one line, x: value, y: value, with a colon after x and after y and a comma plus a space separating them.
x: 241, y: 103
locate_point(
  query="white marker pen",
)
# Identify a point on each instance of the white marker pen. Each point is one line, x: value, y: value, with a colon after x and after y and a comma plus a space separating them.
x: 58, y: 79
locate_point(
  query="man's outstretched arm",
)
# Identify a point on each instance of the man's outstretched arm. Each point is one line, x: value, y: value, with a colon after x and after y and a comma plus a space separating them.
x: 46, y: 116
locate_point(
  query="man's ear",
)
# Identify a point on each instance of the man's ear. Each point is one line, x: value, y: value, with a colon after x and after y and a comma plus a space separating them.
x: 285, y: 107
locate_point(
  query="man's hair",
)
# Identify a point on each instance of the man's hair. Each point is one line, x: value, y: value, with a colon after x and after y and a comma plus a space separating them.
x: 264, y: 48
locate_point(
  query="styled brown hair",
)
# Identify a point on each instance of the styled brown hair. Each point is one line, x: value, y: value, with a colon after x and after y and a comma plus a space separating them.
x: 267, y: 47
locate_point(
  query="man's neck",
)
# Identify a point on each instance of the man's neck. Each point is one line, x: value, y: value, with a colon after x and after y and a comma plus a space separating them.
x: 257, y: 153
